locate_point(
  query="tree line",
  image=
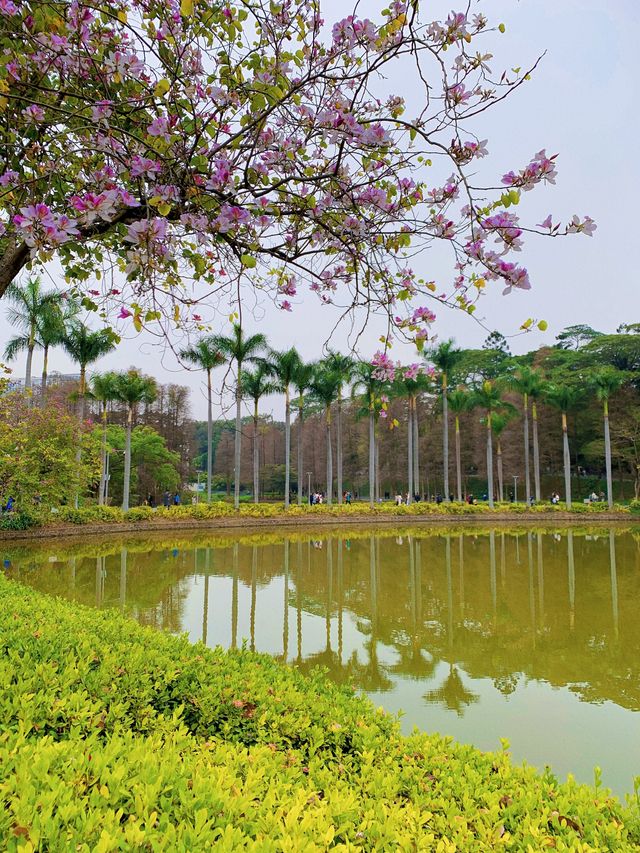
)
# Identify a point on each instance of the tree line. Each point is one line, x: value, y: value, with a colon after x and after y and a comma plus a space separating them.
x: 372, y: 427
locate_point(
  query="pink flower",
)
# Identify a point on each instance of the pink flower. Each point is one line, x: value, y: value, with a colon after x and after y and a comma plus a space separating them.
x: 285, y: 305
x: 546, y: 223
x: 8, y: 7
x: 34, y: 114
x: 124, y: 314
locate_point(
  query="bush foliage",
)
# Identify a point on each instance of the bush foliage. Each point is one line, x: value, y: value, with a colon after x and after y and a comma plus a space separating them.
x: 117, y: 737
x: 220, y: 509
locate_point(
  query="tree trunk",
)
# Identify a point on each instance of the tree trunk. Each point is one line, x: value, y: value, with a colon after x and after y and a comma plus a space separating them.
x: 376, y: 444
x: 339, y: 443
x: 82, y: 391
x: 500, y: 477
x: 409, y: 452
x: 300, y: 466
x: 103, y: 456
x: 256, y: 460
x: 372, y: 457
x: 329, y: 457
x: 458, y: 460
x: 489, y: 461
x: 27, y: 371
x: 527, y: 475
x: 445, y: 436
x: 416, y: 450
x: 238, y: 443
x: 567, y: 461
x: 607, y: 455
x: 127, y: 462
x: 209, y: 436
x: 45, y: 366
x: 536, y: 452
x: 287, y: 447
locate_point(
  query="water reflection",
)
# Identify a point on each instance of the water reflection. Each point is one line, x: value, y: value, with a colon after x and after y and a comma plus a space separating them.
x: 475, y: 634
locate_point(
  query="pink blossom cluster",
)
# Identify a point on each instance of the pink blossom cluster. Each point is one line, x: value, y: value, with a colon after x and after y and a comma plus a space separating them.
x: 39, y: 226
x: 540, y: 169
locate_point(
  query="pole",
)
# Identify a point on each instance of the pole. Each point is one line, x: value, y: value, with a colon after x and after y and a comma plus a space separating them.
x: 309, y: 486
x: 515, y: 488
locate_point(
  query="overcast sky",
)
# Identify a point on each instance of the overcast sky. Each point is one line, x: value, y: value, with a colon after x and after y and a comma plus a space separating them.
x: 582, y: 103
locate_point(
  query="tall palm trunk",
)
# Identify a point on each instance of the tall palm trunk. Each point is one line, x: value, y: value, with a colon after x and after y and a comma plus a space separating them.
x: 127, y: 461
x: 287, y: 447
x: 372, y: 456
x: 45, y: 374
x: 209, y: 436
x: 256, y: 460
x: 300, y: 466
x: 410, y: 452
x: 607, y: 455
x: 536, y: 452
x: 329, y: 457
x: 81, y: 396
x: 527, y: 475
x: 377, y: 450
x: 489, y: 461
x: 458, y: 461
x: 567, y: 460
x: 416, y: 450
x: 103, y: 456
x: 27, y: 372
x: 500, y: 477
x: 238, y: 442
x: 445, y: 436
x: 339, y: 443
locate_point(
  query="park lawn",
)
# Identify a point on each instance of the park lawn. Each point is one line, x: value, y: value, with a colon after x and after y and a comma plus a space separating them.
x: 119, y: 737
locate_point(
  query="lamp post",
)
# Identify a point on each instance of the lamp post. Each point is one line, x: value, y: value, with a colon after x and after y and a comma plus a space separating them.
x: 309, y: 486
x: 515, y: 488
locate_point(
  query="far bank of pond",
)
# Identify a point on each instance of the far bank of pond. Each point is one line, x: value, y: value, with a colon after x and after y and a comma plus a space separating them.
x: 476, y: 632
x: 310, y: 520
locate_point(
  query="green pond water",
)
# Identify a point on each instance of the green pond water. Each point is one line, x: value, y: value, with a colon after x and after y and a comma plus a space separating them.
x: 529, y: 636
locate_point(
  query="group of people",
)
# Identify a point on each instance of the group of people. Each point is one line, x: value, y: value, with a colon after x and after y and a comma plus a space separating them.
x: 168, y: 500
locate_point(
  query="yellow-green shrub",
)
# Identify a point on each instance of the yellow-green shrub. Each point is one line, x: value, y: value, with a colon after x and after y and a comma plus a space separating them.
x: 116, y: 737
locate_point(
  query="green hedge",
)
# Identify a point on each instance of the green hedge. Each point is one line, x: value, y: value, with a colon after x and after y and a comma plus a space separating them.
x: 118, y: 737
x: 220, y: 509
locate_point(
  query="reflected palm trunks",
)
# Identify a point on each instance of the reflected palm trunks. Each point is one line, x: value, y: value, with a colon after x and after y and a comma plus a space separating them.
x: 532, y: 636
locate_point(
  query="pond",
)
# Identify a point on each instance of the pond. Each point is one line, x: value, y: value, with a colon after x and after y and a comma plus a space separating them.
x: 529, y: 636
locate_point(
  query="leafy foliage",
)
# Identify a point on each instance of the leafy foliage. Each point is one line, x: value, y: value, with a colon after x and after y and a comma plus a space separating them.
x: 115, y: 736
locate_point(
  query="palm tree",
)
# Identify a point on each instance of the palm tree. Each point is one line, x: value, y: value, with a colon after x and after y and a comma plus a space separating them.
x: 255, y: 386
x: 489, y: 398
x: 28, y: 304
x: 408, y: 383
x: 85, y: 347
x: 529, y: 382
x: 499, y: 422
x: 459, y: 401
x: 241, y: 349
x: 564, y: 398
x: 343, y: 366
x: 206, y: 357
x: 606, y: 381
x: 132, y: 388
x: 301, y: 381
x: 52, y: 327
x: 370, y: 387
x: 103, y: 389
x: 284, y: 367
x: 445, y: 357
x: 324, y: 387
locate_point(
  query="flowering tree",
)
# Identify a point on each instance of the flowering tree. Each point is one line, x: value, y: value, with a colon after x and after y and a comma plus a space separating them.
x: 187, y: 143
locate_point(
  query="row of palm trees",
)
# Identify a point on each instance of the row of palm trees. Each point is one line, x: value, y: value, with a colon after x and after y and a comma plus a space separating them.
x: 324, y: 382
x: 47, y: 318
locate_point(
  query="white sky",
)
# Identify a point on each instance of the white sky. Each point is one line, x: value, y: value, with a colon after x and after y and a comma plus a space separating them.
x: 582, y: 103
